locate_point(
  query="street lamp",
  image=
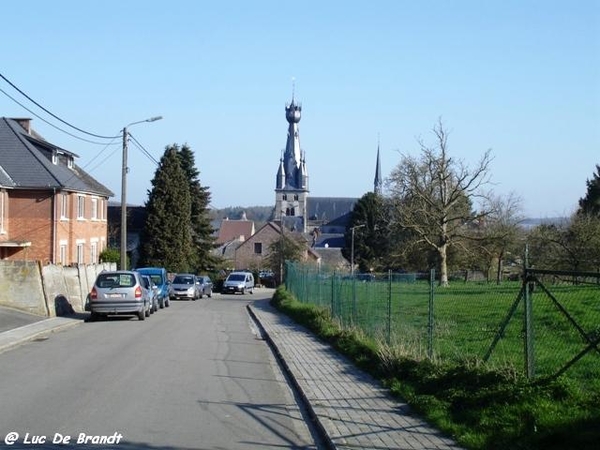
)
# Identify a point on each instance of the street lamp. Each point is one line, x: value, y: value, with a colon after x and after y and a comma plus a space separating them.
x: 352, y: 249
x: 124, y: 191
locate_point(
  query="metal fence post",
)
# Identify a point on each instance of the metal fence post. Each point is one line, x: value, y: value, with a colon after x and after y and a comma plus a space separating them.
x: 430, y: 315
x: 389, y: 315
x: 528, y: 318
x: 333, y: 295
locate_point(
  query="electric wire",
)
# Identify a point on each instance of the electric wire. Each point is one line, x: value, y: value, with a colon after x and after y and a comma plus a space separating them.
x: 52, y: 114
x: 141, y: 147
x: 51, y: 124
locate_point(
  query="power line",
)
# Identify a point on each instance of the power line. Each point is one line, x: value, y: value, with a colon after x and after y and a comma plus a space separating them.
x: 51, y: 124
x: 146, y: 152
x: 54, y: 115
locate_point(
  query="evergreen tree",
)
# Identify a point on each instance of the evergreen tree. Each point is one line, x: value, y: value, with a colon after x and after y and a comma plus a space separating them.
x: 368, y: 219
x: 201, y: 229
x: 590, y: 204
x: 167, y: 236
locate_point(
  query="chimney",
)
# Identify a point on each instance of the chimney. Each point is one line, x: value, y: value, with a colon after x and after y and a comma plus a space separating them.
x: 25, y: 122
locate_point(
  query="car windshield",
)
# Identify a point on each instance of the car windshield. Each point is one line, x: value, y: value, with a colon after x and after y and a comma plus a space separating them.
x: 115, y: 280
x: 156, y: 279
x: 236, y: 277
x: 183, y: 280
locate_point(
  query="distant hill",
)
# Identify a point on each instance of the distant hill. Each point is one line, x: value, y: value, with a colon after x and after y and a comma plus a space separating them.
x: 258, y: 214
x: 534, y: 222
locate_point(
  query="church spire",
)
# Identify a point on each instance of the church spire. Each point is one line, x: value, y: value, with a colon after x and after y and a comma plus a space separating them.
x: 378, y: 184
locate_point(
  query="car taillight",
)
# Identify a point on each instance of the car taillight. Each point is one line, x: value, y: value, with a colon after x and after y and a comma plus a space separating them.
x: 93, y: 294
x: 138, y: 292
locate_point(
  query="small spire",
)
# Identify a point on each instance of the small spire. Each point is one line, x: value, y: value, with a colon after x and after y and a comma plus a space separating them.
x: 293, y: 88
x: 378, y: 180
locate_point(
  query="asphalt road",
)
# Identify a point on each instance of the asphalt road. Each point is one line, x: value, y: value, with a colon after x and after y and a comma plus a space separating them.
x: 196, y: 375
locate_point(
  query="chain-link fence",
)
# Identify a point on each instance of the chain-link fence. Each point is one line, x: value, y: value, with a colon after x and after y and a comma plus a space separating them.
x: 530, y: 326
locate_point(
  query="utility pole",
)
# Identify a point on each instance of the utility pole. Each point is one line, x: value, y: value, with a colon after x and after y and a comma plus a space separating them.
x: 352, y: 249
x: 124, y: 171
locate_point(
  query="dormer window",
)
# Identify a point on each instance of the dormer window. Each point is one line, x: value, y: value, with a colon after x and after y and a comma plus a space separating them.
x: 54, y: 157
x: 70, y: 162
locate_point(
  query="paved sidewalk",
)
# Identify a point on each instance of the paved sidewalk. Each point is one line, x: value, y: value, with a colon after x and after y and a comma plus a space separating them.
x: 18, y: 327
x: 350, y: 407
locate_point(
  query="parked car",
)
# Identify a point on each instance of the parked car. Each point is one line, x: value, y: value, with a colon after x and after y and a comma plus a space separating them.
x: 184, y: 286
x: 241, y: 282
x: 160, y: 278
x: 152, y: 292
x: 205, y: 286
x: 119, y: 292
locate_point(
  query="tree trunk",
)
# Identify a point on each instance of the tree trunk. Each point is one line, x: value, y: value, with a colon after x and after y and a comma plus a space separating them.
x: 443, y: 265
x: 499, y: 268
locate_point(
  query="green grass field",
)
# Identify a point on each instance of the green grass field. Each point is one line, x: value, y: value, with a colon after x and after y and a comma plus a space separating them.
x: 466, y: 318
x: 483, y: 406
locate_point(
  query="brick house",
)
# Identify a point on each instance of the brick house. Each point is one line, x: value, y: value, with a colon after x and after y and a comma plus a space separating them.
x: 50, y: 209
x: 251, y: 253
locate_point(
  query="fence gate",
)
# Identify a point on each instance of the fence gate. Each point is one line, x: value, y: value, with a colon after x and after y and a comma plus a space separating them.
x: 560, y: 328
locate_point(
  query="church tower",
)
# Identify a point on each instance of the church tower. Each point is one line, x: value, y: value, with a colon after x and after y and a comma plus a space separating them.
x: 291, y: 185
x: 378, y: 182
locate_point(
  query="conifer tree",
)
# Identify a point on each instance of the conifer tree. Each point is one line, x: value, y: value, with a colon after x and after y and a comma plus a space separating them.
x: 590, y: 204
x: 201, y: 229
x: 167, y: 236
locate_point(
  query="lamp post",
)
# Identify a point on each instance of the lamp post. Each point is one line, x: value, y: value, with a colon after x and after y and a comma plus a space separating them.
x: 124, y: 191
x: 352, y: 249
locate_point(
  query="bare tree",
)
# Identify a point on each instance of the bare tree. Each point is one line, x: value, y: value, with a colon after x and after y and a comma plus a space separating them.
x: 500, y: 232
x: 434, y: 195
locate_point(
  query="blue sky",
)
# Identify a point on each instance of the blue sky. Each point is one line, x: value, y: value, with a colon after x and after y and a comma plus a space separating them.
x: 521, y: 78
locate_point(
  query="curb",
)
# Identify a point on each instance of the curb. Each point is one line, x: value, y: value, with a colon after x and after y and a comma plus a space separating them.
x: 314, y: 417
x: 13, y: 338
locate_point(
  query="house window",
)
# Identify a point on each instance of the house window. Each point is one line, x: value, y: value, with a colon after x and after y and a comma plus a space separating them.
x: 62, y: 253
x: 80, y: 252
x: 70, y: 162
x: 296, y: 197
x: 80, y: 207
x: 94, y: 252
x: 258, y: 248
x: 94, y: 208
x: 54, y: 157
x: 101, y: 209
x: 64, y: 206
x: 284, y: 196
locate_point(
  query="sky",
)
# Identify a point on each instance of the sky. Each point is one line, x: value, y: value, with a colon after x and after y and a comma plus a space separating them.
x: 518, y: 77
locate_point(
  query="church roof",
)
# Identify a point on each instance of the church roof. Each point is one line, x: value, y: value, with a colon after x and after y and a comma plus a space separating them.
x: 326, y: 209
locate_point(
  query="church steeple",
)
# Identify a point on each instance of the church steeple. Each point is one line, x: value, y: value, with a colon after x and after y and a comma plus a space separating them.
x: 378, y: 184
x: 291, y: 186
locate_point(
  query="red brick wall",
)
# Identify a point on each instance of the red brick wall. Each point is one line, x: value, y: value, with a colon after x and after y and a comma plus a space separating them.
x: 31, y: 218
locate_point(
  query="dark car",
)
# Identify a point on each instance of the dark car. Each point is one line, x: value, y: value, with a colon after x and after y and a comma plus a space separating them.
x: 205, y: 286
x: 161, y: 280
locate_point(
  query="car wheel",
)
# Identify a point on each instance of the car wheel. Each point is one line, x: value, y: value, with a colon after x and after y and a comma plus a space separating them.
x: 210, y: 293
x: 147, y: 313
x: 167, y: 303
x: 243, y: 291
x: 141, y: 315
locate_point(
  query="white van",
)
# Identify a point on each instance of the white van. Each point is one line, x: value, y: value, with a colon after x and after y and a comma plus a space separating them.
x: 241, y: 282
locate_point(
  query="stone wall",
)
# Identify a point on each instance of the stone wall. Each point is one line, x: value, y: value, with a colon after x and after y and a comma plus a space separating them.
x: 47, y: 290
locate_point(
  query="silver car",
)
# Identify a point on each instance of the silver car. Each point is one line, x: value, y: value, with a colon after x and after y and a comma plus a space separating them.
x: 120, y: 292
x: 152, y: 292
x: 184, y: 286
